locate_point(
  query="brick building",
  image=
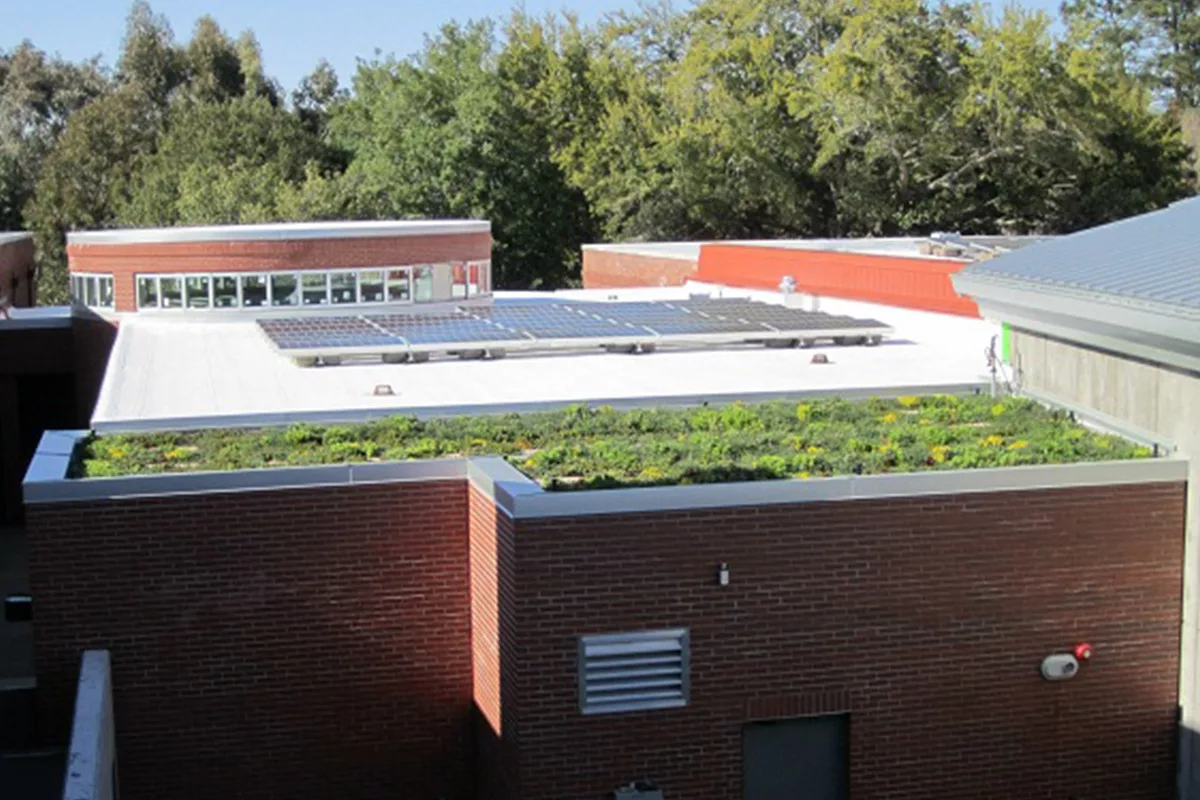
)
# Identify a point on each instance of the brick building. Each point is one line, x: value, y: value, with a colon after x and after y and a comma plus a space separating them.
x: 904, y: 272
x: 286, y: 632
x: 281, y: 267
x: 446, y: 629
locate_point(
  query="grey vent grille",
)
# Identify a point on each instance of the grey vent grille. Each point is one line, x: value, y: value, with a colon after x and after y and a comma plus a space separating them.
x: 633, y: 671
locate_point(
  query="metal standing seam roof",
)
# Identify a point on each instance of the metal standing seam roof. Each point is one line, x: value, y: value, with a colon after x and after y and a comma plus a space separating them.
x: 1152, y: 258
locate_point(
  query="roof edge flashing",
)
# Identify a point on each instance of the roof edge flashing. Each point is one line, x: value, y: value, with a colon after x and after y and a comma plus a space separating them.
x: 849, y: 488
x: 280, y: 232
x: 982, y: 286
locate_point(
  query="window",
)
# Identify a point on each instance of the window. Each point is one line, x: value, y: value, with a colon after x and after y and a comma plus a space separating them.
x: 398, y: 287
x: 170, y: 290
x: 292, y: 289
x: 285, y: 289
x: 314, y: 288
x: 197, y: 291
x: 458, y: 287
x: 370, y: 284
x: 473, y: 279
x: 225, y: 291
x: 147, y: 291
x: 254, y: 291
x: 106, y: 292
x: 633, y: 671
x: 423, y: 284
x: 343, y: 287
x: 95, y: 291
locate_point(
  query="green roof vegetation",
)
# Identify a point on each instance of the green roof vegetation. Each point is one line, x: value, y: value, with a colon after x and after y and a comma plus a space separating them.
x: 598, y: 447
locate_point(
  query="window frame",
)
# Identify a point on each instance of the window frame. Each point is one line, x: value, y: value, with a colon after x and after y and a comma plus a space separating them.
x: 296, y: 290
x: 242, y: 276
x: 458, y: 268
x: 353, y: 273
x: 414, y: 273
x: 207, y: 294
x: 382, y: 272
x: 137, y: 291
x: 237, y: 289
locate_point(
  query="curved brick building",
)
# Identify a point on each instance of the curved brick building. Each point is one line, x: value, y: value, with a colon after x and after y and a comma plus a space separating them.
x: 281, y: 266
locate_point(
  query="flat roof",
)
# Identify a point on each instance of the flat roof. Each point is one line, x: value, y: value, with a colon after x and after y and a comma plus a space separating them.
x: 282, y: 231
x: 8, y: 237
x: 176, y: 373
x: 907, y: 246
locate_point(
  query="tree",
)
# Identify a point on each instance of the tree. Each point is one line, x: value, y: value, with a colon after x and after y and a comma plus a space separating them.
x: 214, y: 65
x: 87, y: 177
x: 316, y: 96
x: 38, y: 94
x: 1157, y: 41
x: 150, y: 61
x: 220, y: 163
x: 452, y: 133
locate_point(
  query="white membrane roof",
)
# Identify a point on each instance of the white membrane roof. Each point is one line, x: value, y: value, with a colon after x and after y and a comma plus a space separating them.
x: 203, y: 372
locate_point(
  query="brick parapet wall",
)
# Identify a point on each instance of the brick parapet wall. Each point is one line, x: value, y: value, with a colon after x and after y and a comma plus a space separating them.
x: 603, y: 269
x: 926, y: 619
x: 125, y: 261
x: 302, y: 644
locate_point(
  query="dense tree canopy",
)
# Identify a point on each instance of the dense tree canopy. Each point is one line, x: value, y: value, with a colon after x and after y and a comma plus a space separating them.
x: 730, y: 118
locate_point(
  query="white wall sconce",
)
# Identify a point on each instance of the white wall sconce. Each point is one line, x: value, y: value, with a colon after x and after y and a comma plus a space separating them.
x: 723, y: 574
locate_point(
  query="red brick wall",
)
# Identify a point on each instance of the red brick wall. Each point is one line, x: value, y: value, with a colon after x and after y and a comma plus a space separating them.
x: 608, y: 270
x: 300, y: 644
x: 123, y: 262
x: 926, y: 619
x: 16, y: 262
x: 493, y: 599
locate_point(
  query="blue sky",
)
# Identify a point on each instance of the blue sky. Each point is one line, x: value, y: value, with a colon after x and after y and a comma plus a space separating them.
x: 294, y: 34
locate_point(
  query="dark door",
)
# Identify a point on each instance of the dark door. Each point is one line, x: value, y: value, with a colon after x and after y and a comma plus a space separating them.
x: 796, y: 759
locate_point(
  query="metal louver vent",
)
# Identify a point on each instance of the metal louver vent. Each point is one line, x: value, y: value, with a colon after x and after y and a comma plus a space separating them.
x: 633, y: 671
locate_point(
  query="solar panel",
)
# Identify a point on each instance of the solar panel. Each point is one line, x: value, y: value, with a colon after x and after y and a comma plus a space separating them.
x: 297, y: 333
x: 557, y: 324
x: 442, y: 328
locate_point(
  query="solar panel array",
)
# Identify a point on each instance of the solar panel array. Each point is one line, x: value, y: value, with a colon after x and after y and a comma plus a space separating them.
x: 529, y: 325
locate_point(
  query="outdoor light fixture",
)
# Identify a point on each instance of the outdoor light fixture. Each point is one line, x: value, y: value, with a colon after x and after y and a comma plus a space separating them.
x: 820, y: 358
x: 1059, y: 667
x: 384, y: 390
x: 723, y: 575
